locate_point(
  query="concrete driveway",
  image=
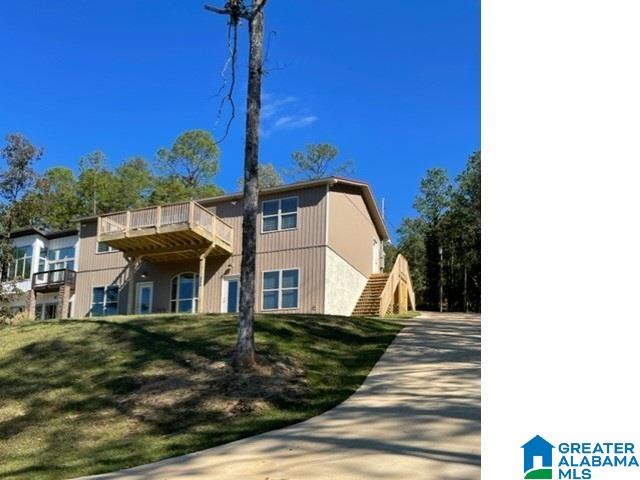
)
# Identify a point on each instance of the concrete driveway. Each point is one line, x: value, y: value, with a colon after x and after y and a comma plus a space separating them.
x: 417, y: 416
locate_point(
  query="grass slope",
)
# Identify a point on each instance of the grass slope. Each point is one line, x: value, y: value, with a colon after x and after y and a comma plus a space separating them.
x: 95, y: 395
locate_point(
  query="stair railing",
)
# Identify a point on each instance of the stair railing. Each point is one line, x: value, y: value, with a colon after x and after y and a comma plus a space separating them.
x: 399, y: 272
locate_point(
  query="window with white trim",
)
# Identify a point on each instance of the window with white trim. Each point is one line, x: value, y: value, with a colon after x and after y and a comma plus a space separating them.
x: 280, y: 289
x: 104, y: 301
x: 62, y: 258
x: 42, y: 264
x: 184, y: 293
x: 280, y: 214
x: 20, y: 266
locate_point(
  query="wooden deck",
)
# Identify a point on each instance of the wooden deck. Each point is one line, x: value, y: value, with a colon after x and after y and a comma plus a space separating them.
x: 167, y: 233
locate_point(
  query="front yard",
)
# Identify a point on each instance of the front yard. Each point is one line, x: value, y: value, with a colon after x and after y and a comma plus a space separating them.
x: 95, y: 395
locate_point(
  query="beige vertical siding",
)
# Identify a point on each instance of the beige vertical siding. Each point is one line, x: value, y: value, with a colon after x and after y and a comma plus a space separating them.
x: 161, y: 275
x: 85, y: 281
x: 302, y: 248
x: 310, y: 261
x: 351, y: 230
x: 96, y: 269
x: 311, y: 221
x: 89, y: 259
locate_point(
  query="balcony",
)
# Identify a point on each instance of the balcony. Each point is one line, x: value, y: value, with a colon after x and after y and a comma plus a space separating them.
x: 166, y: 233
x: 52, y: 280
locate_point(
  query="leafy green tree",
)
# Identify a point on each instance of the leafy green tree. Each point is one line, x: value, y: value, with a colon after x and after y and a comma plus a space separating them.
x: 133, y: 184
x: 390, y: 254
x: 448, y: 220
x: 432, y: 202
x: 19, y: 155
x: 411, y: 243
x: 193, y: 159
x: 463, y: 227
x: 19, y: 175
x: 318, y: 161
x: 268, y: 176
x: 434, y: 197
x: 95, y: 184
x: 56, y: 195
x: 172, y: 189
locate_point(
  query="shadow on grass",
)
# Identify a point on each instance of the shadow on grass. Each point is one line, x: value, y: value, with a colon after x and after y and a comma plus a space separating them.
x: 73, y: 387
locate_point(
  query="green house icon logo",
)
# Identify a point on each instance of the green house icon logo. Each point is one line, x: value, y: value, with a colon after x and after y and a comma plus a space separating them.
x: 538, y: 448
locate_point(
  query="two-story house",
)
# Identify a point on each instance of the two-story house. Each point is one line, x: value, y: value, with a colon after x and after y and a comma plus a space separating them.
x: 319, y: 250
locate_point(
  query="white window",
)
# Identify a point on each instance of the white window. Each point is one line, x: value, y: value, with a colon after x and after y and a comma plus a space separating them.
x: 105, y: 248
x: 62, y: 258
x: 280, y: 289
x: 20, y: 266
x: 281, y: 214
x: 104, y: 301
x: 184, y: 293
x: 42, y: 263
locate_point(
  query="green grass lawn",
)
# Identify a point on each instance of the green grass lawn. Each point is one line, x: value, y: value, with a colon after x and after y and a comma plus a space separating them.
x: 95, y: 395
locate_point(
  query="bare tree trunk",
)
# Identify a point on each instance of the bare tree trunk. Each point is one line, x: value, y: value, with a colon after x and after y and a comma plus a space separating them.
x: 244, y: 357
x: 466, y: 302
x: 245, y: 350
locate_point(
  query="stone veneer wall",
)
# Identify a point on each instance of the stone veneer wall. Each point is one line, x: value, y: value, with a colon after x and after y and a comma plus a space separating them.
x: 343, y: 285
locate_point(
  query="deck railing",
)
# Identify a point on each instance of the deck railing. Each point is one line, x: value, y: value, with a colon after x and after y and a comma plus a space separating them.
x: 50, y: 278
x: 186, y: 213
x: 399, y: 272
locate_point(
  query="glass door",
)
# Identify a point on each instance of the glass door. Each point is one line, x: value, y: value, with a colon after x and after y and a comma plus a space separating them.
x: 230, y: 294
x: 144, y: 297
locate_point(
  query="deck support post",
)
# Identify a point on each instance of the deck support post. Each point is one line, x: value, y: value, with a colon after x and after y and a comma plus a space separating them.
x: 133, y: 263
x: 402, y: 306
x: 201, y: 275
x: 62, y: 305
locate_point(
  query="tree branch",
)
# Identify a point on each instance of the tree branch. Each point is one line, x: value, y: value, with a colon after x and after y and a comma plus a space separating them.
x: 213, y: 8
x: 233, y: 51
x: 258, y: 6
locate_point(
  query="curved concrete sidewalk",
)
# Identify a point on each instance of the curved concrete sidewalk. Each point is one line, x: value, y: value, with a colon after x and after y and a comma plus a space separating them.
x: 417, y: 416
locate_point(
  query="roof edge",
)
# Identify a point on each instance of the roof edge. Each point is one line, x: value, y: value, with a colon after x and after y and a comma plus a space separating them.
x: 368, y: 196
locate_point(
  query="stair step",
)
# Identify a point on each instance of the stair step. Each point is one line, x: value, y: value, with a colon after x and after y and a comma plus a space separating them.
x: 369, y: 301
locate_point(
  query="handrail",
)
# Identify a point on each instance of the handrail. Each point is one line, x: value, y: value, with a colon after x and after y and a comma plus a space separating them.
x: 48, y: 277
x: 399, y: 271
x: 187, y: 212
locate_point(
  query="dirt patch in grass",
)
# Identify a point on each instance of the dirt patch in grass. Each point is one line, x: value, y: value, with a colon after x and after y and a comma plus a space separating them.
x: 214, y: 386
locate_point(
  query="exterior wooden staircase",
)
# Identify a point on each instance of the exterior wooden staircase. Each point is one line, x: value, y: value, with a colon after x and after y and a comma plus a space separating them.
x: 387, y: 293
x: 369, y: 301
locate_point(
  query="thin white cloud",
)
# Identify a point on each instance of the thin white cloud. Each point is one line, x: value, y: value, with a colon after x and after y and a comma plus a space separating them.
x: 273, y: 105
x: 283, y: 113
x: 294, y: 121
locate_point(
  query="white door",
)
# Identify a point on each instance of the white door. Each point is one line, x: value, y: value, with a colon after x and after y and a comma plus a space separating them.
x: 376, y: 257
x: 230, y: 294
x: 144, y: 297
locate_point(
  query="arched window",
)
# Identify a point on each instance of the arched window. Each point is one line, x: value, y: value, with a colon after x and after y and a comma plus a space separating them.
x: 184, y: 293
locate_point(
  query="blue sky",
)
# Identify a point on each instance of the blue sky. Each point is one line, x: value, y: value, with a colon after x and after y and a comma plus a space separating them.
x: 397, y: 90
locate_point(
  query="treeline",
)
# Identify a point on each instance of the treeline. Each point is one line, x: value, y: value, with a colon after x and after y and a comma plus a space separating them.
x: 53, y: 199
x: 442, y: 243
x: 184, y: 171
